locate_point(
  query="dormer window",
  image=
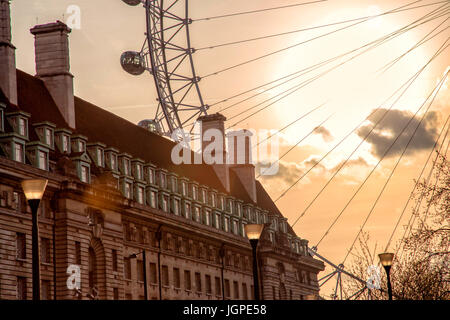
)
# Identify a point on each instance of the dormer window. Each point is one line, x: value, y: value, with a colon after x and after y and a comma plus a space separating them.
x: 151, y: 176
x: 65, y: 143
x: 19, y: 151
x: 84, y: 174
x: 213, y: 199
x: 23, y: 127
x: 184, y: 188
x: 113, y: 162
x: 204, y: 198
x: 43, y: 160
x: 140, y: 195
x: 81, y: 146
x: 100, y: 160
x: 194, y: 193
x: 127, y: 190
x: 162, y: 180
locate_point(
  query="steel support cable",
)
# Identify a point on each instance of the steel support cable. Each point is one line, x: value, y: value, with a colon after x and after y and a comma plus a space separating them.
x: 438, y: 87
x: 288, y: 125
x: 258, y: 11
x: 418, y: 44
x: 311, y: 28
x: 306, y: 41
x: 335, y: 173
x: 303, y: 71
x: 297, y: 87
x: 412, y: 219
x: 411, y: 196
x: 296, y: 144
x: 414, y: 76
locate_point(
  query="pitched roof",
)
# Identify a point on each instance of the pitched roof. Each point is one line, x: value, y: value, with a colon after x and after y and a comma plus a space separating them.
x: 99, y: 125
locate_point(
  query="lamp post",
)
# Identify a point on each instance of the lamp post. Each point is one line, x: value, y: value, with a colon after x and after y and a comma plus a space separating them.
x: 144, y: 262
x: 34, y: 190
x: 386, y: 260
x: 253, y: 232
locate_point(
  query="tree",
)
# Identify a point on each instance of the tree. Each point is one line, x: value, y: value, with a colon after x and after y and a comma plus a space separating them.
x: 421, y: 268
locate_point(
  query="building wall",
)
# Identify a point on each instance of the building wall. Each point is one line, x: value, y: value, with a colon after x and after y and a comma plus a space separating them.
x: 100, y: 218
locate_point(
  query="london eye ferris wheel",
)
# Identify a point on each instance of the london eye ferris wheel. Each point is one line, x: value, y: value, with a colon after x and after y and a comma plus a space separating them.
x: 167, y: 55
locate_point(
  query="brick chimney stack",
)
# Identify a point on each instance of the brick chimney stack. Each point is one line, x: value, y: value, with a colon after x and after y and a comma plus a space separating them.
x: 53, y: 66
x: 240, y: 152
x: 216, y: 121
x: 8, y: 80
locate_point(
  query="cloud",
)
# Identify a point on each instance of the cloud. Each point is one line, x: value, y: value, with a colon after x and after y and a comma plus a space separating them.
x: 326, y: 135
x: 390, y: 127
x: 288, y: 172
x: 351, y: 163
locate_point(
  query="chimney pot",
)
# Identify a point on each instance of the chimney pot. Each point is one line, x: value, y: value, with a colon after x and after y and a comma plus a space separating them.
x: 53, y: 65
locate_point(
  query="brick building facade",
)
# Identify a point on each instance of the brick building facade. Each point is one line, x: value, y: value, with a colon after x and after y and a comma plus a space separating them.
x: 113, y: 192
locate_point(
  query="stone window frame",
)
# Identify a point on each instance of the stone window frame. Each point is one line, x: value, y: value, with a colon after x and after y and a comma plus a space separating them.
x: 94, y: 149
x: 15, y: 118
x: 75, y: 140
x: 137, y: 166
x: 139, y: 186
x: 33, y: 150
x: 41, y: 130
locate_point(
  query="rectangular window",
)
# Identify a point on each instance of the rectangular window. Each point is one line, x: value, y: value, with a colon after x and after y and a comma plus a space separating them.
x: 151, y: 176
x: 208, y: 284
x: 194, y: 193
x: 187, y: 211
x: 77, y: 253
x: 48, y: 137
x: 140, y: 195
x: 139, y: 172
x: 207, y: 220
x: 21, y: 288
x: 116, y: 293
x: 127, y: 268
x: 244, y: 291
x: 113, y: 162
x: 176, y: 207
x: 153, y: 278
x: 184, y: 188
x: 213, y: 199
x: 127, y: 190
x: 187, y: 280
x: 226, y: 224
x: 65, y: 143
x: 21, y: 246
x: 153, y: 199
x: 227, y: 288
x: 176, y: 278
x: 217, y: 221
x: 198, y: 282
x: 235, y: 227
x: 84, y: 174
x: 18, y: 152
x: 114, y: 260
x: 16, y: 201
x: 22, y: 126
x: 46, y: 290
x: 197, y: 214
x: 45, y: 250
x: 42, y: 160
x: 140, y: 270
x: 81, y: 146
x: 204, y: 199
x: 236, y: 289
x: 165, y: 275
x: 218, y: 286
x: 100, y: 157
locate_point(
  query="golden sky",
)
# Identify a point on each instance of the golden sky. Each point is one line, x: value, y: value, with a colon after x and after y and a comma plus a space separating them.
x: 351, y: 92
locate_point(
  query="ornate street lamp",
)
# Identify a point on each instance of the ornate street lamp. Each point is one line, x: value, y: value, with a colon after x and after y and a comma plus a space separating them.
x: 34, y: 190
x: 253, y: 232
x: 386, y: 260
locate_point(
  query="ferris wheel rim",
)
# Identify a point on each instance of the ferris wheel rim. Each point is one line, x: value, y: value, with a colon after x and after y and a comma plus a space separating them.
x: 168, y: 107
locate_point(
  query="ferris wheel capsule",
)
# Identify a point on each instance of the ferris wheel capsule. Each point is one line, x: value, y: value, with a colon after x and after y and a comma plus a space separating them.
x: 132, y: 2
x: 150, y: 125
x: 132, y: 62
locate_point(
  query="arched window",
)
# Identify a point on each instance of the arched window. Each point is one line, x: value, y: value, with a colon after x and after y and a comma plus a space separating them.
x: 92, y: 268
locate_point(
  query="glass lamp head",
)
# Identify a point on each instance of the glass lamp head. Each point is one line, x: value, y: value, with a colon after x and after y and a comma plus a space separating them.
x: 34, y: 188
x: 253, y: 231
x: 386, y: 259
